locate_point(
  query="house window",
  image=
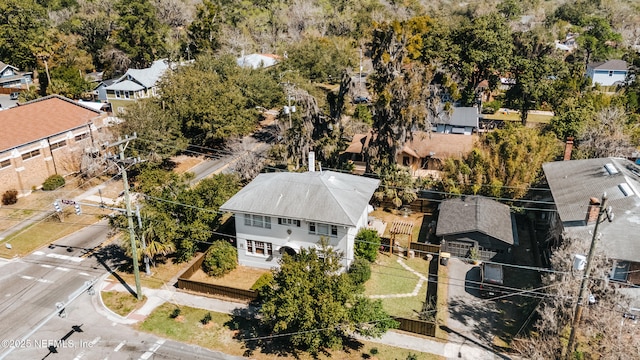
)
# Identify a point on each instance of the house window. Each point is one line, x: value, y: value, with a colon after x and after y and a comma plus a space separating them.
x: 117, y: 94
x: 81, y: 136
x: 406, y: 161
x: 5, y: 163
x: 257, y: 221
x: 126, y: 94
x: 323, y: 229
x: 610, y: 73
x: 58, y: 145
x: 290, y: 222
x: 259, y: 248
x: 31, y: 154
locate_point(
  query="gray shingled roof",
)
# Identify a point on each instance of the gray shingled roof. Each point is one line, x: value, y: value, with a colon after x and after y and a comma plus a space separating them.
x: 461, y: 116
x: 147, y: 77
x: 475, y: 213
x: 610, y: 65
x: 327, y: 196
x: 573, y: 182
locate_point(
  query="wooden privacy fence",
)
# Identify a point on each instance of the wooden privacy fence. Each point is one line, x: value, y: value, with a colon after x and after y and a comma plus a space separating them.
x: 185, y: 283
x: 418, y: 206
x: 427, y: 328
x: 217, y: 290
x: 422, y: 249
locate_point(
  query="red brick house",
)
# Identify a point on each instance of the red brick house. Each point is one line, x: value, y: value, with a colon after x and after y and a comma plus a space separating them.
x: 41, y: 138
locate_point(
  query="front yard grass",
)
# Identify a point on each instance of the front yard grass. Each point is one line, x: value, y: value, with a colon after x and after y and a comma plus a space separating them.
x: 388, y: 277
x: 121, y: 302
x: 218, y: 334
x: 42, y: 233
x: 161, y: 274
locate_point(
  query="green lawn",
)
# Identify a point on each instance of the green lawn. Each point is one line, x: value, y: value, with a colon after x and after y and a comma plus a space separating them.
x: 514, y: 116
x: 389, y: 277
x: 42, y: 233
x: 121, y: 302
x: 219, y: 335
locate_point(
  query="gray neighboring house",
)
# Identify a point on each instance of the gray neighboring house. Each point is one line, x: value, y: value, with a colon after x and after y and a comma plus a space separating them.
x: 463, y: 120
x: 11, y: 77
x: 574, y: 183
x: 100, y: 90
x: 476, y: 222
x: 283, y: 212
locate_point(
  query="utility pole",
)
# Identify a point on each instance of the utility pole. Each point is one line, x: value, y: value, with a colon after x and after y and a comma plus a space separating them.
x: 144, y: 243
x: 122, y: 145
x: 602, y: 211
x: 360, y: 75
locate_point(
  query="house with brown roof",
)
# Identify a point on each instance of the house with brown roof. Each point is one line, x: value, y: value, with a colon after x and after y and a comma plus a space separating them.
x: 424, y: 154
x: 45, y: 137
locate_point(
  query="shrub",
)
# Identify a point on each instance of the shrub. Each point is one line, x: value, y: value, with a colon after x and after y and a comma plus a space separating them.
x: 491, y: 107
x: 10, y: 197
x: 367, y: 244
x: 264, y: 280
x: 360, y: 271
x: 221, y: 258
x: 206, y: 319
x: 175, y: 313
x: 53, y: 182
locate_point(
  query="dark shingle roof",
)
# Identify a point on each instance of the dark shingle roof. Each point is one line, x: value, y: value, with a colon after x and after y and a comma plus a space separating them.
x: 475, y: 213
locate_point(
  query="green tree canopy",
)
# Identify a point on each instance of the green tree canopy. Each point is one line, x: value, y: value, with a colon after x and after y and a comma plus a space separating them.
x: 139, y: 34
x: 505, y: 164
x: 160, y: 135
x: 367, y: 244
x: 316, y: 305
x: 22, y: 22
x: 214, y: 99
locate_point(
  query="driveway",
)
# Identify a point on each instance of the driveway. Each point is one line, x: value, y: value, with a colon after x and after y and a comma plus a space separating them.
x: 491, y: 323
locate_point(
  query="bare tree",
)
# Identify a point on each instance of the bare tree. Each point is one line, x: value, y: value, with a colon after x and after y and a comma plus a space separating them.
x: 606, y: 135
x: 602, y: 333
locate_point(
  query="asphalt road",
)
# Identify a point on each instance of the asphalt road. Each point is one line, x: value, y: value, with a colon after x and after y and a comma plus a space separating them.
x: 32, y: 286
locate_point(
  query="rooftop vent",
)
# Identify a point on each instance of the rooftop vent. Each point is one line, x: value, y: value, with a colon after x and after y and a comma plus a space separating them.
x: 626, y: 189
x: 610, y: 168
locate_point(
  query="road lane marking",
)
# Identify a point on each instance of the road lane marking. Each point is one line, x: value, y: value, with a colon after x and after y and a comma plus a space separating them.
x: 46, y: 266
x: 26, y: 277
x: 62, y: 268
x: 84, y: 274
x: 119, y: 346
x: 80, y: 355
x: 152, y: 349
x: 65, y: 257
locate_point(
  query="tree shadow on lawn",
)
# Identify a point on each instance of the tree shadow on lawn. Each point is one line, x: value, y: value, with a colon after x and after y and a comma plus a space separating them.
x: 256, y: 338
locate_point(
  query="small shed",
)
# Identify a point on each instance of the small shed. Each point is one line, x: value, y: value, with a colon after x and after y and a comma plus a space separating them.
x: 479, y: 223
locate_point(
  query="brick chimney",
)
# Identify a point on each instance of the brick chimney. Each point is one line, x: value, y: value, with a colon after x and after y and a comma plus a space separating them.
x: 568, y: 148
x: 593, y: 210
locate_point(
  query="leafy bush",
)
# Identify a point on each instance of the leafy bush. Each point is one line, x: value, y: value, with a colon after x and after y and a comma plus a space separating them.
x: 367, y: 243
x: 10, y: 197
x: 175, y: 313
x: 360, y: 271
x: 221, y: 258
x: 265, y: 280
x: 53, y: 182
x: 206, y: 319
x: 491, y: 107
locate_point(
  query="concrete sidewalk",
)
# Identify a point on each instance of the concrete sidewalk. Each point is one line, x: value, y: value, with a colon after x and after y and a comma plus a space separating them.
x: 157, y: 297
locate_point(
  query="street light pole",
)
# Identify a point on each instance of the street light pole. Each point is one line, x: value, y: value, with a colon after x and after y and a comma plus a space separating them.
x: 587, y: 272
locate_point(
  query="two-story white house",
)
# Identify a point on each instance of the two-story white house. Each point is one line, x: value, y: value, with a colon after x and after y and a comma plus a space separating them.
x: 283, y: 212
